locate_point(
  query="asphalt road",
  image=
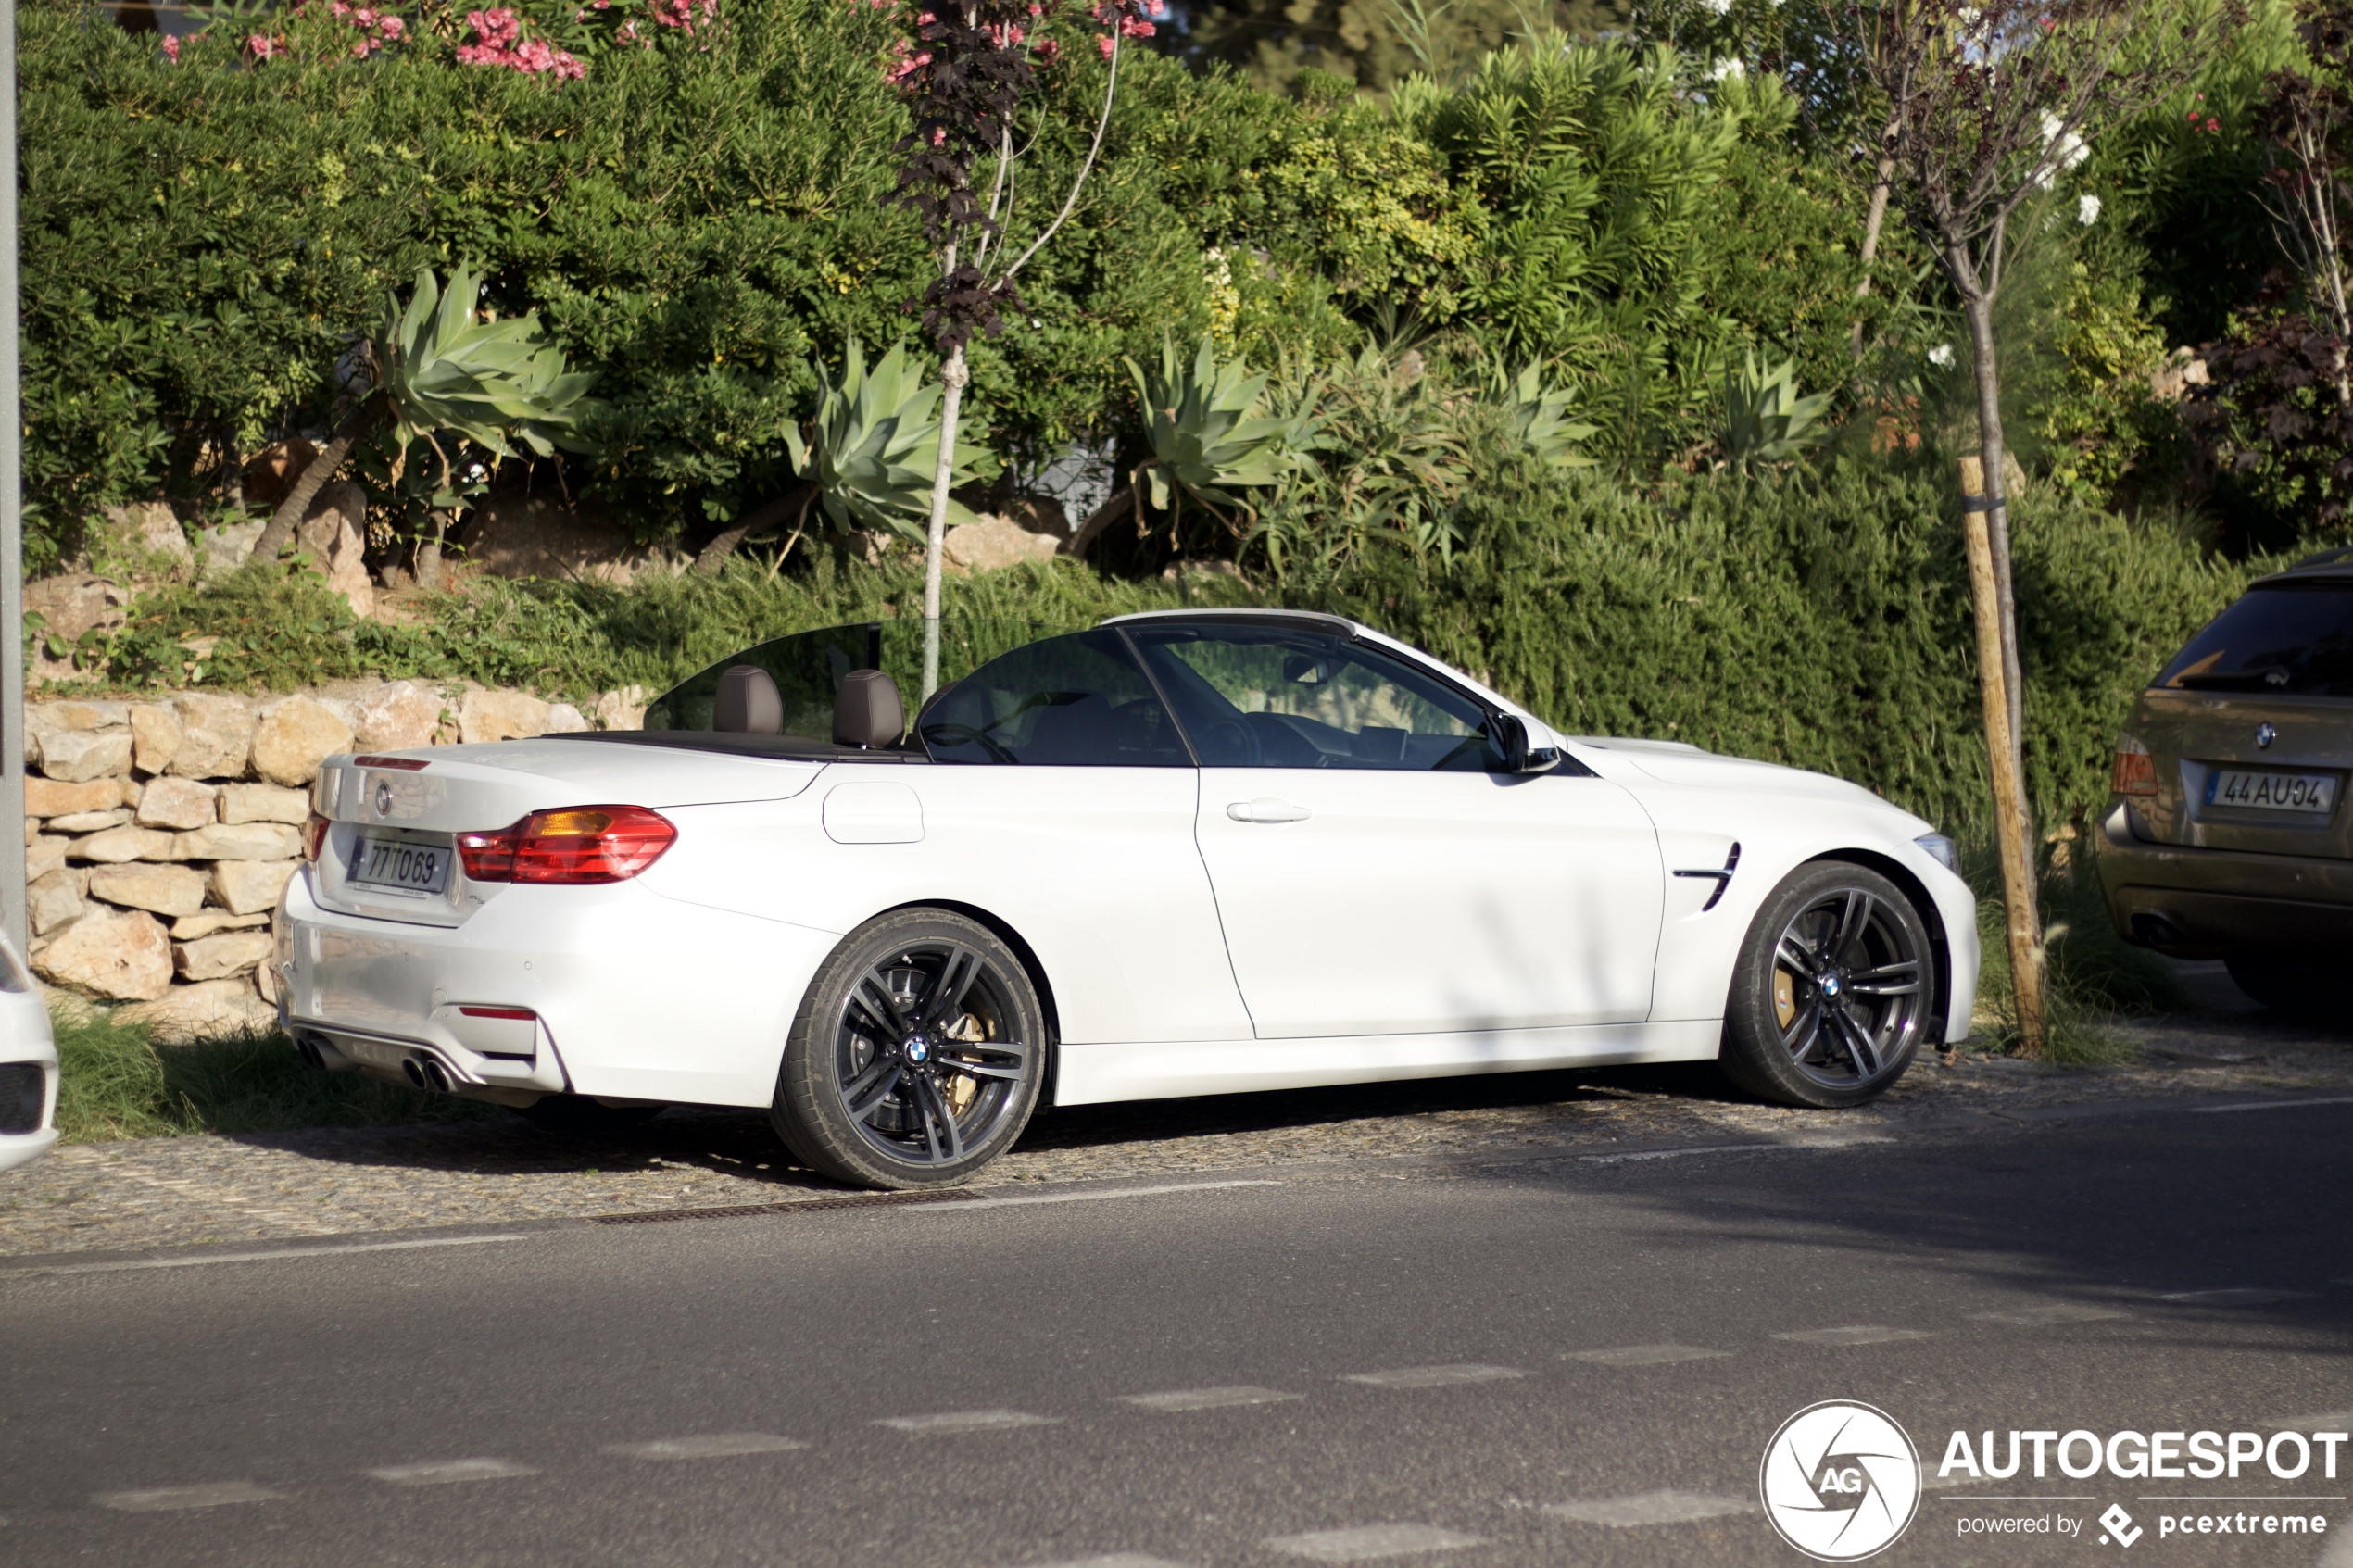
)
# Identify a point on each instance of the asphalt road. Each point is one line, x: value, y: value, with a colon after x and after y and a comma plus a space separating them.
x: 1414, y: 1351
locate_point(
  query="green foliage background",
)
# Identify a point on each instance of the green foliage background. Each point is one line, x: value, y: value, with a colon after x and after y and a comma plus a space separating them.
x: 1820, y: 620
x: 701, y: 219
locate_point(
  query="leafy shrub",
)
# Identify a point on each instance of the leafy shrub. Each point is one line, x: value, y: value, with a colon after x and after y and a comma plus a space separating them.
x: 1817, y: 620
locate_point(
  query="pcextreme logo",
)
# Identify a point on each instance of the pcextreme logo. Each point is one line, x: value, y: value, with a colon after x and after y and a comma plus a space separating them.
x: 1839, y: 1481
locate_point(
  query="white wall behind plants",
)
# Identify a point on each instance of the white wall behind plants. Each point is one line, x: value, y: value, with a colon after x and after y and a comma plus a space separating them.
x: 160, y: 833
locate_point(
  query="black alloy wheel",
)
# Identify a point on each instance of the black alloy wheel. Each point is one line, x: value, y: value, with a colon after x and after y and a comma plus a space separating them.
x: 916, y: 1056
x: 1833, y: 990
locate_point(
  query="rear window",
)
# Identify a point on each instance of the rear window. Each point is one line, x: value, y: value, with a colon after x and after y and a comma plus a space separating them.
x: 2291, y: 640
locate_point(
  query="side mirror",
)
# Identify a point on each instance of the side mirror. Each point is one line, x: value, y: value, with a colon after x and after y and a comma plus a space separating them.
x: 1510, y: 737
x: 1306, y: 670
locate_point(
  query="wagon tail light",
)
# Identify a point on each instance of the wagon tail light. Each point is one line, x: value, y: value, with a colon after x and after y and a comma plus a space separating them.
x: 2136, y: 770
x: 572, y: 845
x: 314, y: 836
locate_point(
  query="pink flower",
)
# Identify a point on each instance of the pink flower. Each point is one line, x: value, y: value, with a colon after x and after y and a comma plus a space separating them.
x: 1106, y: 44
x: 172, y: 48
x: 1049, y: 53
x: 263, y: 47
x: 393, y: 27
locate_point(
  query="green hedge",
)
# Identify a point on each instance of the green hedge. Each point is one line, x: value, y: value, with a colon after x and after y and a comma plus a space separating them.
x: 1822, y: 620
x: 1817, y: 620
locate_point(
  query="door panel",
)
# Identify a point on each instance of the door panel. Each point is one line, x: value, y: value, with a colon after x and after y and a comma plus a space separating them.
x: 1394, y: 902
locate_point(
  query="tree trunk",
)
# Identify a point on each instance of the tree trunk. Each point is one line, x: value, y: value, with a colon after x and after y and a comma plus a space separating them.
x: 296, y: 501
x: 1114, y: 507
x: 792, y: 503
x: 1873, y: 221
x: 952, y: 377
x: 1985, y: 361
x: 2012, y: 826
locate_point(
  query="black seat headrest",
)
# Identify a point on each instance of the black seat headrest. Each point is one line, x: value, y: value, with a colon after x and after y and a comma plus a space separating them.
x: 867, y: 711
x: 747, y: 702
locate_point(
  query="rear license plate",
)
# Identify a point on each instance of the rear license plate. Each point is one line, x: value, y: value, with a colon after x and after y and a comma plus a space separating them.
x: 401, y: 866
x: 2310, y: 795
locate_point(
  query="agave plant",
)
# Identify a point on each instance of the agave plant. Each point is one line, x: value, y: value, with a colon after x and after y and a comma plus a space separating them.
x: 872, y: 449
x: 438, y: 369
x: 1206, y: 436
x: 443, y: 369
x: 1537, y: 417
x: 1766, y: 420
x: 1209, y: 438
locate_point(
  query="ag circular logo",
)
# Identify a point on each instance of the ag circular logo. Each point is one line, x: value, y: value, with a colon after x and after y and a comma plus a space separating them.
x: 1839, y: 1481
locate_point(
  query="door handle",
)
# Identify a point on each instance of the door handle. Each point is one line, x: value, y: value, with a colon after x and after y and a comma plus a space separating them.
x: 1267, y: 809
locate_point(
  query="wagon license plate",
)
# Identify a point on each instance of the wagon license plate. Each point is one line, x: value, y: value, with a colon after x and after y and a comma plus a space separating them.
x: 2310, y: 795
x: 401, y: 865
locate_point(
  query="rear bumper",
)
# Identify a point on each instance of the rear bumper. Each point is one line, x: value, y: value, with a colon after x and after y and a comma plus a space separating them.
x: 16, y: 1149
x: 2200, y: 903
x: 634, y: 996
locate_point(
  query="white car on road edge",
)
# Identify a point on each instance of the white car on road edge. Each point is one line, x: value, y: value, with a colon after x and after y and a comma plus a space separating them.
x: 27, y: 1064
x: 1180, y: 853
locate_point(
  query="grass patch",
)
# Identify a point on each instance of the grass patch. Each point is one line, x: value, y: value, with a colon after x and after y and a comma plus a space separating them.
x: 2092, y: 976
x: 114, y: 1082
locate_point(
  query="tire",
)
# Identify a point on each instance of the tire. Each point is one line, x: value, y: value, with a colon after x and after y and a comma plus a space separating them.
x: 579, y: 1116
x: 2295, y: 983
x: 916, y: 1056
x: 1834, y: 983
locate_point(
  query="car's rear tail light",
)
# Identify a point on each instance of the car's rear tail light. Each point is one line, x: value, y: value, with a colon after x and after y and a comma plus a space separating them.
x: 314, y: 836
x: 2136, y: 770
x: 574, y: 844
x: 405, y: 764
x: 520, y: 1015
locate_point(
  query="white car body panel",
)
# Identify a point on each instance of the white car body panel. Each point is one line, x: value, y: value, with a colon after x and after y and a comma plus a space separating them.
x: 1095, y: 868
x: 1189, y: 931
x: 1418, y: 903
x: 25, y: 1037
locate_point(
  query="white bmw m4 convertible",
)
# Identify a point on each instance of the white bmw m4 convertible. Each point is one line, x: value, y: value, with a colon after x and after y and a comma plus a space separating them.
x: 1182, y: 853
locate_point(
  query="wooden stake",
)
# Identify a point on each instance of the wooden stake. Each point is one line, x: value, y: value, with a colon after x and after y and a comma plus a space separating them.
x: 2012, y: 822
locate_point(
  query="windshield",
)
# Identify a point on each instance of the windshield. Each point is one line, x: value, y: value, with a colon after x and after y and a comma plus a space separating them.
x: 2287, y: 639
x: 807, y: 668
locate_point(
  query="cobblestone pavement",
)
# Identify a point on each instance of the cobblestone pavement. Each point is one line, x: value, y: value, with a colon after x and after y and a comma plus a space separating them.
x: 172, y: 1192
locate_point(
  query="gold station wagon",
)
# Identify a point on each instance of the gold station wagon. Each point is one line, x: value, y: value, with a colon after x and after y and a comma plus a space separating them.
x: 2227, y: 836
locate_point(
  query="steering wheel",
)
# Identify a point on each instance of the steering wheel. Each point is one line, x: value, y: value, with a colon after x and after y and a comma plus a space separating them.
x: 1220, y: 738
x: 964, y: 735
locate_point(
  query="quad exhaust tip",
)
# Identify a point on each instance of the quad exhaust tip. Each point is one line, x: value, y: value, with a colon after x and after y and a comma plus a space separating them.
x: 318, y: 1053
x: 425, y: 1072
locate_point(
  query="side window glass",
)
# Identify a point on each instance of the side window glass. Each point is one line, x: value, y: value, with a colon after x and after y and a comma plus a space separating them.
x: 1070, y: 702
x: 1278, y: 698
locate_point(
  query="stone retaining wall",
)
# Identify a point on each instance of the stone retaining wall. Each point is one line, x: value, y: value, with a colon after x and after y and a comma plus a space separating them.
x: 160, y: 832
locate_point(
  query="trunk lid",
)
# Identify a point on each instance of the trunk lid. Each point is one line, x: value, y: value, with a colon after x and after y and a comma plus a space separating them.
x: 2249, y: 729
x: 2202, y: 741
x: 399, y: 825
